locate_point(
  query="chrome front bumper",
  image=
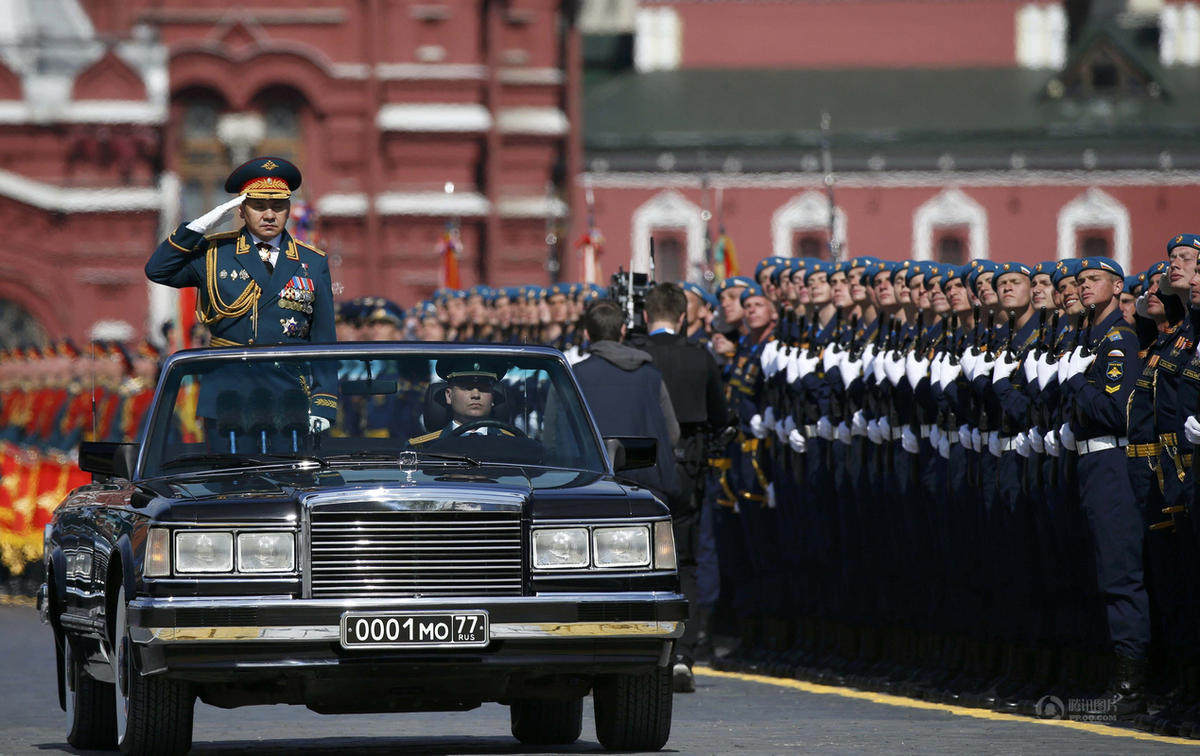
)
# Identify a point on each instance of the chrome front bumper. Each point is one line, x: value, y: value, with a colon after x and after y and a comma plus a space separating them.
x: 648, y: 616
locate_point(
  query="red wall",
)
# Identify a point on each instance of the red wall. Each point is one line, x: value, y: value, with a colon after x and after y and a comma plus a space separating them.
x: 848, y: 34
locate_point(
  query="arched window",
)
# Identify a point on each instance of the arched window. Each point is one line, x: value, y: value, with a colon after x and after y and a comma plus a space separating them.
x: 811, y: 244
x: 202, y: 162
x: 951, y: 247
x: 670, y: 255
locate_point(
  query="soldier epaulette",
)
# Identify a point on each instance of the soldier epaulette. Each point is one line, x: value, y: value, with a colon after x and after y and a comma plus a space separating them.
x: 308, y: 246
x: 426, y: 438
x: 222, y: 235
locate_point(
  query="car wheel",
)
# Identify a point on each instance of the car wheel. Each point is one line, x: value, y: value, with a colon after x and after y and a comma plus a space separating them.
x: 91, y: 721
x: 154, y: 714
x: 543, y: 722
x: 633, y: 712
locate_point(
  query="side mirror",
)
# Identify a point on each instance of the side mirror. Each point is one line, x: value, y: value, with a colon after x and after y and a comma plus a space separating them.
x: 631, y: 452
x: 107, y: 459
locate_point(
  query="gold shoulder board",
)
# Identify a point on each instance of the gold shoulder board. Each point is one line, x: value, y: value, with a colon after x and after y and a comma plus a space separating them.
x: 427, y: 437
x: 306, y: 245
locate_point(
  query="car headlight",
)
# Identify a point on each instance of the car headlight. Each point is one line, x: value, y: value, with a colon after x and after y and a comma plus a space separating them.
x: 266, y: 552
x: 560, y: 548
x: 203, y: 551
x: 622, y: 547
x: 664, y: 546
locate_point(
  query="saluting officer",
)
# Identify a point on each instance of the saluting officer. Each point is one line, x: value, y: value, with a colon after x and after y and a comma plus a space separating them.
x: 257, y: 285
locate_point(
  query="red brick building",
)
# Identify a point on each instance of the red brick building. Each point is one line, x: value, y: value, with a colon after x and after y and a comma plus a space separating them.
x: 1010, y: 129
x: 119, y: 119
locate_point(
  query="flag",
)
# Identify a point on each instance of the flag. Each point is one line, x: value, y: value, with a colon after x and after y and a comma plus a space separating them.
x: 590, y: 247
x: 304, y: 223
x: 725, y: 262
x: 450, y: 248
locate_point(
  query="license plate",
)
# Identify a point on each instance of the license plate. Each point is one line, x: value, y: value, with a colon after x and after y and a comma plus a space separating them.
x: 415, y: 629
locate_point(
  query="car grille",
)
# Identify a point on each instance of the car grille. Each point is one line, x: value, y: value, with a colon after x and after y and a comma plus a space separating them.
x: 408, y: 554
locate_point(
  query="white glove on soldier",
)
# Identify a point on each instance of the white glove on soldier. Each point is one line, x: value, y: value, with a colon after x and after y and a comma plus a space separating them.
x: 964, y: 436
x: 1004, y: 367
x: 1053, y: 448
x: 993, y: 444
x: 783, y: 428
x: 843, y: 433
x: 893, y: 368
x: 807, y: 363
x: 976, y: 440
x: 908, y: 440
x: 756, y: 426
x: 1029, y: 366
x: 825, y: 428
x: 768, y: 418
x: 797, y: 441
x: 1067, y: 436
x: 915, y: 368
x: 831, y: 357
x: 949, y: 374
x: 1035, y: 441
x: 216, y: 216
x: 318, y: 424
x: 885, y: 429
x: 858, y: 423
x: 1021, y: 443
x: 1191, y: 430
x: 873, y: 432
x: 1079, y: 362
x: 1047, y: 370
x: 943, y: 447
x: 849, y: 370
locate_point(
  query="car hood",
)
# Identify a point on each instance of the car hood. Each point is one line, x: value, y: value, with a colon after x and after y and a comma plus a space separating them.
x: 276, y: 494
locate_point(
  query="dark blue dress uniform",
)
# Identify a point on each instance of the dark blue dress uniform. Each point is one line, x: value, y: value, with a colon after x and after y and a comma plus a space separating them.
x: 1099, y: 398
x: 241, y: 302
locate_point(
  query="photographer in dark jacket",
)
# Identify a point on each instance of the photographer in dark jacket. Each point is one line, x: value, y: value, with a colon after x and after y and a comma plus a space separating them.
x: 693, y: 382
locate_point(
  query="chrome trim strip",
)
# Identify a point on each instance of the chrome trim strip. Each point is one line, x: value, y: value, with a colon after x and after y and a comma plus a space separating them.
x: 400, y: 604
x: 419, y: 499
x: 499, y: 631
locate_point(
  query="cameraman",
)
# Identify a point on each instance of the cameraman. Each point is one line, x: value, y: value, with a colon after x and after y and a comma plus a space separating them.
x: 693, y: 382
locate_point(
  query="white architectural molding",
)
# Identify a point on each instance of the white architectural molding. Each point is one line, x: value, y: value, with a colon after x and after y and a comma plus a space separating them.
x: 804, y: 212
x: 657, y: 40
x: 950, y: 208
x: 658, y: 180
x: 460, y: 204
x: 1179, y: 34
x: 532, y: 207
x: 431, y: 71
x: 83, y: 111
x: 531, y: 76
x: 1095, y: 209
x: 342, y: 205
x: 75, y: 200
x: 668, y: 210
x: 1041, y: 36
x: 538, y: 121
x: 436, y: 117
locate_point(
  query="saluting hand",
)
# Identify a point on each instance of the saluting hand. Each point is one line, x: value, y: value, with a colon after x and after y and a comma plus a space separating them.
x: 216, y: 216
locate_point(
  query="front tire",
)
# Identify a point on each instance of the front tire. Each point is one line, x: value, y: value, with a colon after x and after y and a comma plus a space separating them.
x: 91, y: 720
x: 542, y: 722
x: 153, y: 714
x: 633, y: 712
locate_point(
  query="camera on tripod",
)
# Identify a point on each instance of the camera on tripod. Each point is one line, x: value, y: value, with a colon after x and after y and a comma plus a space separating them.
x: 628, y: 290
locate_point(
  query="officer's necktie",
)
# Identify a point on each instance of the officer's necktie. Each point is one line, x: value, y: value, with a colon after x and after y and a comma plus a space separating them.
x: 264, y: 251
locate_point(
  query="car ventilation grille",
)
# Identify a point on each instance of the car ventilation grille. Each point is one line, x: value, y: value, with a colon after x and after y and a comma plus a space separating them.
x: 409, y: 554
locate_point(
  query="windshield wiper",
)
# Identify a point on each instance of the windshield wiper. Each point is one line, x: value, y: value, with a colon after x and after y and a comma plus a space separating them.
x: 240, y: 460
x: 395, y: 456
x: 391, y: 456
x: 450, y: 457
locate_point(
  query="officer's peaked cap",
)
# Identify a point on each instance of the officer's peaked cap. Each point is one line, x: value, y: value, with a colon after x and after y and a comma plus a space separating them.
x: 264, y: 178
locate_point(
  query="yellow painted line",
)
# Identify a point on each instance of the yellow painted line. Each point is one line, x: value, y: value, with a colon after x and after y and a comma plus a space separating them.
x: 962, y: 711
x: 18, y: 601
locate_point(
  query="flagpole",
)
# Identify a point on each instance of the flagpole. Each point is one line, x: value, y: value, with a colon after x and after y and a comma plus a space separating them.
x: 835, y: 244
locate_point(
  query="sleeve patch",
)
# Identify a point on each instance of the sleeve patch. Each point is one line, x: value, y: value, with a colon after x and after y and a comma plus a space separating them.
x: 1116, y: 353
x: 1114, y: 371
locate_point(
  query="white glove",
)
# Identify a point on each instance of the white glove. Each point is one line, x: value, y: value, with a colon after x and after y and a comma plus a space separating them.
x: 935, y: 368
x: 1191, y: 430
x: 915, y: 368
x: 825, y: 428
x: 1004, y: 367
x: 935, y: 436
x: 783, y: 428
x: 1142, y: 305
x: 976, y: 440
x: 767, y: 358
x: 949, y: 374
x: 831, y: 357
x: 768, y: 418
x: 858, y: 423
x: 1046, y: 371
x: 885, y: 429
x: 1022, y: 445
x: 797, y: 441
x: 843, y: 433
x: 793, y: 367
x: 1035, y: 441
x: 216, y: 216
x: 1067, y: 436
x: 808, y: 363
x: 1062, y: 369
x: 1080, y: 362
x: 1051, y: 443
x: 873, y: 432
x: 756, y: 426
x: 970, y: 362
x: 993, y: 444
x: 849, y: 370
x: 782, y: 357
x: 868, y: 353
x: 943, y: 447
x: 877, y: 369
x: 318, y: 424
x: 1030, y: 368
x: 893, y: 367
x: 964, y: 436
x: 908, y: 440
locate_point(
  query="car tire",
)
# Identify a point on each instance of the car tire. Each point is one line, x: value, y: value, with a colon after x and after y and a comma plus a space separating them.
x: 633, y: 712
x: 153, y: 714
x: 544, y: 722
x: 91, y: 720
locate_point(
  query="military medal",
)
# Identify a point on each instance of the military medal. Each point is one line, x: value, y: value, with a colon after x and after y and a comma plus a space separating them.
x: 243, y: 274
x: 224, y: 274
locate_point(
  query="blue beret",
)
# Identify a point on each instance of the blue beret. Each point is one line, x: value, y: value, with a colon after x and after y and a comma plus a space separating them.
x: 694, y: 289
x: 1065, y: 269
x: 1106, y: 264
x: 1015, y: 267
x: 753, y: 290
x: 882, y: 266
x: 767, y: 262
x: 953, y: 273
x: 978, y: 268
x: 264, y: 177
x: 454, y: 294
x: 1183, y: 240
x: 917, y: 268
x: 559, y: 288
x: 1046, y: 267
x: 816, y: 266
x: 862, y: 261
x: 386, y: 311
x: 1157, y: 269
x: 1132, y: 282
x: 734, y: 281
x: 934, y: 270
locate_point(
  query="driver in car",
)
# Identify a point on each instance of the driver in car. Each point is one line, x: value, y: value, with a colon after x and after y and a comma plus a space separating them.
x: 470, y: 394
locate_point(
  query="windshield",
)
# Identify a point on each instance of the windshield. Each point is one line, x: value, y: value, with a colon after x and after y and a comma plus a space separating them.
x: 458, y: 408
